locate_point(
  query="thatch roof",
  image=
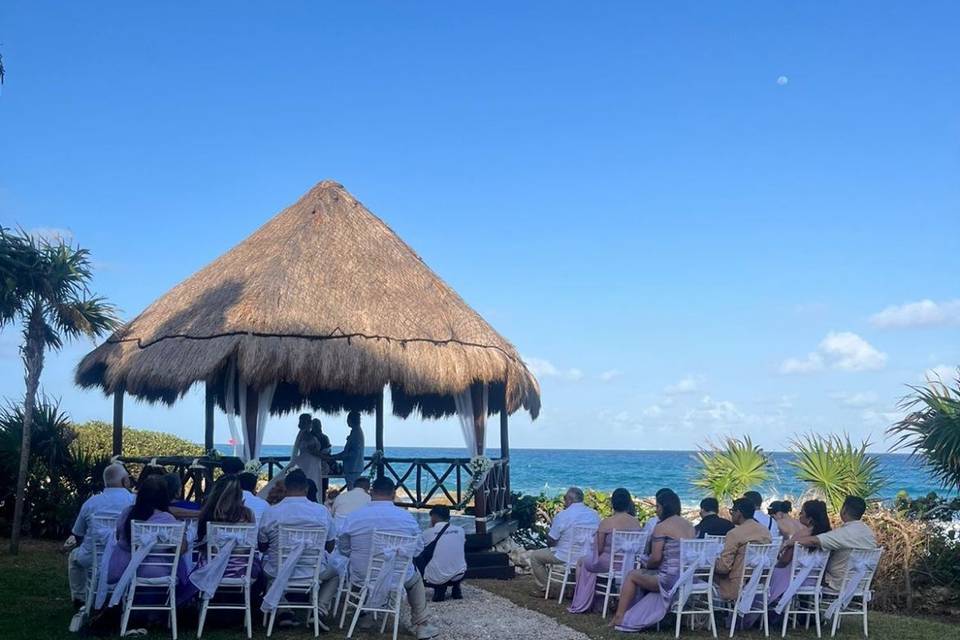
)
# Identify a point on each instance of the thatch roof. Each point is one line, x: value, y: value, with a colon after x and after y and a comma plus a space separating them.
x: 326, y: 300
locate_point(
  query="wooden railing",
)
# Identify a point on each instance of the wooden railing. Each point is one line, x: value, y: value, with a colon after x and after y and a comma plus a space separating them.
x: 421, y: 482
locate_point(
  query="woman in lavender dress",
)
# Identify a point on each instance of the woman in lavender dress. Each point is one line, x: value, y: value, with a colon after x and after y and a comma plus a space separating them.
x: 813, y: 521
x: 623, y: 519
x: 644, y: 599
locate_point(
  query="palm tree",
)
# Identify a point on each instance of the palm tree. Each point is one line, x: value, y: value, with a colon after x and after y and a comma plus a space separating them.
x: 45, y: 290
x: 731, y: 467
x: 836, y: 468
x: 932, y: 429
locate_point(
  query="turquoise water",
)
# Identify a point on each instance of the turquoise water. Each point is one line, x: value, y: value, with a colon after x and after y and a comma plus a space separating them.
x: 643, y: 472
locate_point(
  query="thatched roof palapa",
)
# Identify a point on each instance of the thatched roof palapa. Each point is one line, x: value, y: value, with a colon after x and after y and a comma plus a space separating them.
x: 327, y: 301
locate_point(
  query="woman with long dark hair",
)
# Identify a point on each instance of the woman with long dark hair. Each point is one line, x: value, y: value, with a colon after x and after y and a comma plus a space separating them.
x: 812, y: 522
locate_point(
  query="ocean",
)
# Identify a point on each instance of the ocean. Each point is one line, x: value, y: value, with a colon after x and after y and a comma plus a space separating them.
x: 551, y: 471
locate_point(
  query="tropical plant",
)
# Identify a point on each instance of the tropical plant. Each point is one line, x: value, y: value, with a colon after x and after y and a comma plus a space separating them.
x: 730, y: 467
x: 96, y: 437
x: 834, y: 467
x: 45, y: 290
x: 931, y: 429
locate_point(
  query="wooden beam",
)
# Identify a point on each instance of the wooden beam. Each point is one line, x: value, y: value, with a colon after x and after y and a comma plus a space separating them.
x: 480, y: 432
x: 379, y: 433
x: 253, y: 400
x: 118, y: 422
x: 208, y: 418
x: 504, y: 433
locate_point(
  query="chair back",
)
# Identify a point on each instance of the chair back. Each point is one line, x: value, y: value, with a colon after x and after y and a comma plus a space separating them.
x: 583, y: 538
x: 165, y: 555
x: 103, y: 526
x: 866, y: 558
x: 815, y: 559
x: 625, y: 548
x: 759, y: 557
x: 391, y: 552
x: 714, y: 537
x: 220, y: 534
x: 699, y: 554
x: 313, y: 540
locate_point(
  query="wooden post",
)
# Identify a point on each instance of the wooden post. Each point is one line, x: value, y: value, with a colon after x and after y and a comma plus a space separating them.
x: 253, y: 400
x: 118, y: 422
x: 208, y: 419
x: 480, y: 432
x: 505, y: 446
x: 379, y: 439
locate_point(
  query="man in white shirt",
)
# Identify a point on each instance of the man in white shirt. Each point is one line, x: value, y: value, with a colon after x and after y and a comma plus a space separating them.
x: 852, y: 534
x: 349, y: 501
x: 115, y: 498
x: 449, y: 562
x: 560, y: 537
x: 295, y: 510
x: 248, y: 482
x: 760, y: 515
x: 356, y: 540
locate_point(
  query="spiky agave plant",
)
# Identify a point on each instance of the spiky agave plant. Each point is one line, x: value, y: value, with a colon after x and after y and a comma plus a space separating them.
x: 931, y: 429
x: 834, y: 467
x: 730, y: 467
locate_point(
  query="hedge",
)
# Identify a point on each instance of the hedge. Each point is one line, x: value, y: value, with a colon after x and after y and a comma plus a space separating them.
x: 97, y: 438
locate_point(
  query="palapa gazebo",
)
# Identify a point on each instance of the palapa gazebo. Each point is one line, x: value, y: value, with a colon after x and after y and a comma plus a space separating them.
x: 324, y: 307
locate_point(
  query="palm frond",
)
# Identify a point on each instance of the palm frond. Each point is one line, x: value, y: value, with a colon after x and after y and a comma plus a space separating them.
x: 730, y: 467
x: 931, y: 429
x: 835, y: 467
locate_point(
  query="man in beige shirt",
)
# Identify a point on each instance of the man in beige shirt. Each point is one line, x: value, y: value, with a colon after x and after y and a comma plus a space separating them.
x: 852, y: 534
x: 728, y: 571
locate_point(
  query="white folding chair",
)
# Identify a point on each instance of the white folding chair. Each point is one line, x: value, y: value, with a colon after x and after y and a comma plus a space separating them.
x: 698, y: 558
x: 760, y: 558
x: 343, y: 586
x: 805, y: 600
x: 401, y: 548
x: 163, y: 560
x: 305, y: 580
x: 238, y: 576
x: 103, y: 528
x: 714, y: 537
x: 625, y: 547
x: 855, y: 590
x: 564, y: 571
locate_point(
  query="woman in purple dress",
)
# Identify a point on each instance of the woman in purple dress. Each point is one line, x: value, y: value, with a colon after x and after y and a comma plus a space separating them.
x: 623, y: 519
x: 813, y: 521
x: 644, y: 599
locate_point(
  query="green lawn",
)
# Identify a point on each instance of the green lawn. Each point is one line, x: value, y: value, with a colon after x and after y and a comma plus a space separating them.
x: 35, y: 605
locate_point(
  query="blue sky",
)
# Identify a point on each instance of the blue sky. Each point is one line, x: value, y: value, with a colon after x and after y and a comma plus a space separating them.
x: 691, y: 220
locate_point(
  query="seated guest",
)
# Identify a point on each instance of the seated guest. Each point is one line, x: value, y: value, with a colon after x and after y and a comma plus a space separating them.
x: 295, y: 510
x: 787, y: 525
x: 331, y: 496
x: 449, y: 562
x: 813, y: 521
x: 312, y: 491
x: 256, y: 504
x: 710, y: 523
x: 181, y: 509
x: 349, y: 501
x: 356, y: 541
x: 623, y: 519
x: 560, y: 537
x: 276, y: 492
x: 114, y: 498
x: 231, y: 466
x: 728, y: 570
x: 152, y: 505
x: 765, y: 521
x: 852, y: 534
x: 644, y: 597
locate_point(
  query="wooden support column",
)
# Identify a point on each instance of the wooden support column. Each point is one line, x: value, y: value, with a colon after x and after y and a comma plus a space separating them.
x: 379, y: 440
x: 208, y: 418
x: 505, y: 445
x: 480, y: 432
x: 253, y: 400
x: 118, y: 422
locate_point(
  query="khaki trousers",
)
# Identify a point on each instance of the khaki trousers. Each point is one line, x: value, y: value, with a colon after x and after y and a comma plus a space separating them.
x: 540, y: 560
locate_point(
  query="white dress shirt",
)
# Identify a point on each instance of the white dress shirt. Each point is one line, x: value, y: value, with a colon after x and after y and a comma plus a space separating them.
x: 767, y: 523
x: 848, y: 536
x: 449, y: 560
x: 564, y: 523
x: 292, y: 511
x: 356, y: 538
x: 112, y: 501
x: 255, y: 504
x: 349, y: 501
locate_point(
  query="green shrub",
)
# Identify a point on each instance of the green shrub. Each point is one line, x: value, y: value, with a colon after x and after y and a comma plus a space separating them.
x: 97, y: 437
x: 730, y: 468
x: 835, y: 468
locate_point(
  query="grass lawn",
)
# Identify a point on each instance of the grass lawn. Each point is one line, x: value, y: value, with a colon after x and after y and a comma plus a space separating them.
x: 36, y: 606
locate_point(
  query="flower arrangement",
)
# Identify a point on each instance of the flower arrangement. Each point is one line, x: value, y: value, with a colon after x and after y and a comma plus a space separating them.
x: 479, y: 467
x: 252, y: 466
x: 375, y: 461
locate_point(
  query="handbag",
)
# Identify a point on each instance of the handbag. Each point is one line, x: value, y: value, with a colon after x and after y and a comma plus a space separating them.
x: 422, y: 560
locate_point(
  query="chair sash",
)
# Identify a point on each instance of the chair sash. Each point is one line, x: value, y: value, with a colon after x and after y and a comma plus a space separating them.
x: 275, y: 592
x: 856, y: 570
x: 110, y: 535
x: 147, y: 543
x: 629, y: 549
x: 587, y: 541
x: 386, y: 582
x: 707, y: 556
x: 749, y: 591
x: 208, y: 577
x: 808, y: 562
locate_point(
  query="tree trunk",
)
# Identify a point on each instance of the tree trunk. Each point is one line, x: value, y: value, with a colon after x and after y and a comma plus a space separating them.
x: 33, y: 365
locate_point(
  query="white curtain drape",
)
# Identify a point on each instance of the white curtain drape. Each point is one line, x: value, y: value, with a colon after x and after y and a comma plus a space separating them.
x: 464, y: 401
x: 235, y: 384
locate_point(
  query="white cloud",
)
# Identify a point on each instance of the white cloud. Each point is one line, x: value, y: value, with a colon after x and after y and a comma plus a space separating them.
x: 607, y: 376
x: 883, y: 418
x: 942, y: 373
x: 52, y: 234
x: 715, y: 411
x: 689, y: 384
x: 856, y: 399
x: 842, y: 350
x: 546, y: 369
x: 653, y: 411
x: 783, y: 80
x: 925, y: 313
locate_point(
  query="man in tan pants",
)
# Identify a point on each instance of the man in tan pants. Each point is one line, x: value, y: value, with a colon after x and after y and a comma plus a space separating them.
x: 560, y: 538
